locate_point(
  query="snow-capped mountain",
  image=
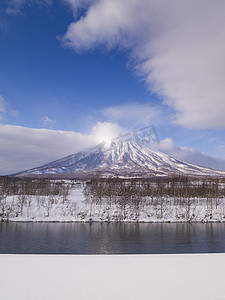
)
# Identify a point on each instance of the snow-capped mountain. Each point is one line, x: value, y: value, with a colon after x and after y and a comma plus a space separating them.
x: 121, y: 158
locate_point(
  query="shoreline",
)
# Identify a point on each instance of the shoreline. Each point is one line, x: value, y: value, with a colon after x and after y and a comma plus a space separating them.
x: 114, y: 221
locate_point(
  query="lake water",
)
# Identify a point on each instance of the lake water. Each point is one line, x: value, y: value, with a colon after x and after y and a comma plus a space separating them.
x: 97, y: 238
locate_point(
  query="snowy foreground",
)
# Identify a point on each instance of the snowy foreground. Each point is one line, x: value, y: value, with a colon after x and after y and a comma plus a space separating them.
x: 192, y: 276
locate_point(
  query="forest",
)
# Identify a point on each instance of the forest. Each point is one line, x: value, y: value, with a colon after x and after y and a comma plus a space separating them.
x: 177, y: 198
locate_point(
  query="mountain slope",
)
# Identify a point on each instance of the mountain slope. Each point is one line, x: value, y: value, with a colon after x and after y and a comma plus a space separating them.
x: 120, y: 158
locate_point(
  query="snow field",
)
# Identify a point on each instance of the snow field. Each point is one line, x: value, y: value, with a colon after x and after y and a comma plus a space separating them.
x: 127, y: 277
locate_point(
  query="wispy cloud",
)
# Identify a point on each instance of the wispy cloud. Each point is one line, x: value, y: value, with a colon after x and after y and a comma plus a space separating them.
x: 15, y: 6
x: 3, y: 105
x: 190, y: 155
x: 14, y: 113
x: 221, y: 150
x: 6, y: 110
x: 81, y: 3
x: 47, y: 121
x: 177, y: 47
x: 133, y: 115
x: 3, y: 26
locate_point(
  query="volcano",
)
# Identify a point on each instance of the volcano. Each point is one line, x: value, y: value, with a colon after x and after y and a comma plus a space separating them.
x: 121, y: 158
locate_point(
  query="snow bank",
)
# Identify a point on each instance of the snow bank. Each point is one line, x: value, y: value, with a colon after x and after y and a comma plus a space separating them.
x: 113, y: 277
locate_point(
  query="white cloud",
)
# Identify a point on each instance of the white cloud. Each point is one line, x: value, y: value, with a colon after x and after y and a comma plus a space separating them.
x: 106, y: 131
x: 134, y: 114
x: 23, y: 148
x: 190, y: 155
x: 178, y: 47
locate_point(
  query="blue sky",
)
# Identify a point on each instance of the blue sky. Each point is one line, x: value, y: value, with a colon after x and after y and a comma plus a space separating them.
x: 86, y: 70
x: 41, y: 77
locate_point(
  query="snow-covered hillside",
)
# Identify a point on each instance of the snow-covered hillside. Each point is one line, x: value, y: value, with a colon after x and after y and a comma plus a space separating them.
x: 120, y: 158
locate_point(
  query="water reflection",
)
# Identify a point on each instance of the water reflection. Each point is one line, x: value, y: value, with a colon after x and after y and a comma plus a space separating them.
x: 96, y: 238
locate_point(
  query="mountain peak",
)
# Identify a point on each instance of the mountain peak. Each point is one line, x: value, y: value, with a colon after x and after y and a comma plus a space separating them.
x: 121, y: 157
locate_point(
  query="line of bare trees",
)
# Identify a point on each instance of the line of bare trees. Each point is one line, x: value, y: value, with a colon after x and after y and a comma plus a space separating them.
x: 22, y: 190
x: 115, y: 198
x: 136, y: 194
x: 209, y: 189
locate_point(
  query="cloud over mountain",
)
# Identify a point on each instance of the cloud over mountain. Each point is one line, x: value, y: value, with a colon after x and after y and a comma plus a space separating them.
x: 190, y: 155
x: 24, y: 148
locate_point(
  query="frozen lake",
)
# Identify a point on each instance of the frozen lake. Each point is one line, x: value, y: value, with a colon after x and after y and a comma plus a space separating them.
x: 97, y: 238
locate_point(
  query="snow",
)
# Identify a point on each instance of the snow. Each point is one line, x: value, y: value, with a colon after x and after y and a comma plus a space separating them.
x: 127, y: 277
x: 77, y: 209
x: 121, y: 157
